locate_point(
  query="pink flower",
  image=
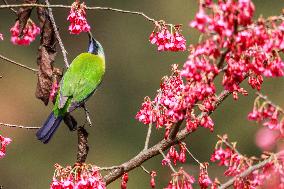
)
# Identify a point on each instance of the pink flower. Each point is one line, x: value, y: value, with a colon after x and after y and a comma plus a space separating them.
x: 203, y: 179
x: 3, y: 143
x: 54, y: 89
x: 68, y: 184
x: 201, y: 21
x: 167, y: 41
x: 181, y: 179
x: 152, y: 181
x: 77, y: 19
x: 1, y: 37
x: 56, y: 184
x: 207, y: 122
x: 254, y: 115
x: 124, y: 181
x: 29, y: 33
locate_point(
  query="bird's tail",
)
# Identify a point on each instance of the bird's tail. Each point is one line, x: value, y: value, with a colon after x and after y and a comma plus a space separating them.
x: 45, y: 133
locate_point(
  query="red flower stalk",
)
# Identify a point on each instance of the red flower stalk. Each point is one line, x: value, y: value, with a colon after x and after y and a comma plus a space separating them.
x: 124, y: 181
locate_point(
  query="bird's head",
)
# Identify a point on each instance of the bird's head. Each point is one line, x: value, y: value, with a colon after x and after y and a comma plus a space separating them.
x: 95, y: 47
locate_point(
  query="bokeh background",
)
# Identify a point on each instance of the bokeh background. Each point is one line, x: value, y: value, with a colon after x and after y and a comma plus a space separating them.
x: 134, y: 70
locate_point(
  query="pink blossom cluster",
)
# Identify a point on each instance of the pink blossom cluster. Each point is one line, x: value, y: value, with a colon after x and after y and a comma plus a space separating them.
x: 168, y: 106
x: 77, y: 18
x: 268, y: 115
x: 166, y: 40
x: 1, y: 37
x: 204, y: 180
x: 250, y: 49
x: 29, y: 33
x: 181, y: 179
x: 3, y: 144
x: 229, y: 158
x: 175, y: 100
x: 226, y: 154
x: 174, y: 156
x: 79, y: 177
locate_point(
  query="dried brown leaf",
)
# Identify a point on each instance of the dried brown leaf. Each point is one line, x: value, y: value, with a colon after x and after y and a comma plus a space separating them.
x: 47, y: 73
x: 24, y: 14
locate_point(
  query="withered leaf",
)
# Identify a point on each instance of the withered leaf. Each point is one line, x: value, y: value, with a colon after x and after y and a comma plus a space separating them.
x: 47, y: 73
x: 24, y: 14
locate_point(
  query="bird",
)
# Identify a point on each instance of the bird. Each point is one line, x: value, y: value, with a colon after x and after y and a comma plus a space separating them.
x: 77, y: 85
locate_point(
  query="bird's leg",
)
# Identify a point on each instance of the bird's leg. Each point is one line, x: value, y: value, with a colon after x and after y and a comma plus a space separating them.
x: 87, y: 113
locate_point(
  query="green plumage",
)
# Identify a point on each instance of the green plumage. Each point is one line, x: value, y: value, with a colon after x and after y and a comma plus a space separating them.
x: 79, y: 82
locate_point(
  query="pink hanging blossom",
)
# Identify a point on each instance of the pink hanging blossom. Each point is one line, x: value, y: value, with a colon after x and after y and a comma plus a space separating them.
x: 3, y: 144
x: 29, y: 34
x: 77, y: 19
x: 203, y: 179
x: 81, y: 176
x: 181, y: 179
x: 168, y: 41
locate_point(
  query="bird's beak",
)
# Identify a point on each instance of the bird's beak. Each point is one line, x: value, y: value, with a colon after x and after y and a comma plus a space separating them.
x: 93, y: 46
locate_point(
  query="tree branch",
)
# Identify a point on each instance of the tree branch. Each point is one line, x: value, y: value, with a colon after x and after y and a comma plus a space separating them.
x: 18, y: 126
x: 83, y: 147
x: 266, y: 99
x: 162, y: 145
x: 248, y: 171
x: 18, y: 64
x: 88, y: 8
x: 64, y: 52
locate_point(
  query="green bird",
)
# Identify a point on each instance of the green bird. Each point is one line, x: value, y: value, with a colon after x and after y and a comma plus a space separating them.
x: 78, y: 83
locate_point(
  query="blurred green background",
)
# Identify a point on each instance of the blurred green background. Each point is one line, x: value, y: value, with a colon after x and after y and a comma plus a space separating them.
x: 134, y: 70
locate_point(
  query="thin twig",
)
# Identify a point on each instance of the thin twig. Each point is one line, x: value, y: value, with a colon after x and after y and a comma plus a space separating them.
x: 145, y: 170
x: 87, y: 113
x: 229, y: 145
x: 148, y: 137
x: 265, y: 98
x: 195, y: 159
x: 13, y: 10
x: 18, y: 126
x: 88, y: 8
x: 108, y: 168
x: 64, y: 52
x: 247, y: 172
x: 18, y: 64
x: 170, y: 164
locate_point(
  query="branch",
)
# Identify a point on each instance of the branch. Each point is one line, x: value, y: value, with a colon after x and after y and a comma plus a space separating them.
x: 18, y: 126
x: 162, y: 145
x: 170, y: 164
x: 13, y: 10
x: 64, y: 52
x: 248, y: 171
x: 266, y: 99
x: 148, y: 137
x: 193, y: 157
x: 18, y: 64
x: 83, y: 147
x: 88, y: 8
